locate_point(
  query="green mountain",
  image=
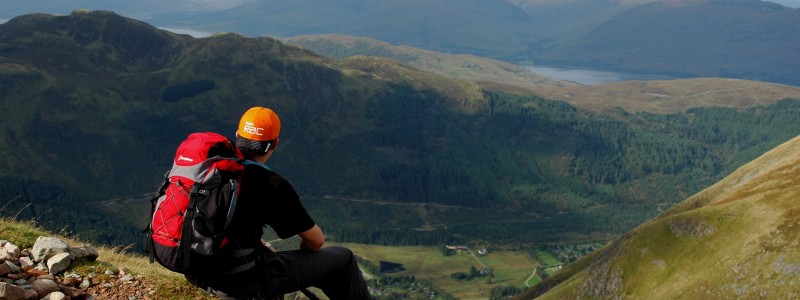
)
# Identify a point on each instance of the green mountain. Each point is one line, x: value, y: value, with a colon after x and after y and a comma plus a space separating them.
x: 734, y: 240
x: 94, y: 104
x: 565, y: 20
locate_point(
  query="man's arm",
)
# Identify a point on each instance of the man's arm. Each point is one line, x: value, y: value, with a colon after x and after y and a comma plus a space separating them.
x: 312, y: 239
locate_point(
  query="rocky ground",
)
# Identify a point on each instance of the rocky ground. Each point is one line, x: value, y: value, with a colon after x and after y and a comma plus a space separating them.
x: 122, y: 288
x: 40, y: 273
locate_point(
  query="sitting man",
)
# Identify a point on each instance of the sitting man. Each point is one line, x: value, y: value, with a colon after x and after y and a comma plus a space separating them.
x: 266, y: 198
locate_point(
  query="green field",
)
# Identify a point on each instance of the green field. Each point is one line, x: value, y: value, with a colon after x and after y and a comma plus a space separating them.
x: 547, y: 258
x: 511, y: 268
x: 534, y: 280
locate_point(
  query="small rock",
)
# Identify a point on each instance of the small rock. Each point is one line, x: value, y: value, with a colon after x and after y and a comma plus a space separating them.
x: 30, y: 294
x: 70, y: 281
x: 84, y: 252
x: 14, y: 267
x: 26, y: 263
x: 11, y: 292
x: 71, y: 292
x: 87, y: 283
x: 41, y: 266
x: 47, y: 276
x: 4, y: 269
x: 43, y: 287
x: 45, y: 247
x: 57, y: 295
x: 59, y: 262
x: 8, y: 251
x: 33, y: 273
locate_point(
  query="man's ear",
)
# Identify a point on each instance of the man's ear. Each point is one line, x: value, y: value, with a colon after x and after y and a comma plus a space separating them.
x: 275, y: 144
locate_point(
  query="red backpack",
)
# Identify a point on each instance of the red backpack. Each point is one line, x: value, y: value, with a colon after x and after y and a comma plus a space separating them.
x: 195, y: 203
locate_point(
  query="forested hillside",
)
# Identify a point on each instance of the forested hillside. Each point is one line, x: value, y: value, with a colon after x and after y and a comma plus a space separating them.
x: 94, y: 104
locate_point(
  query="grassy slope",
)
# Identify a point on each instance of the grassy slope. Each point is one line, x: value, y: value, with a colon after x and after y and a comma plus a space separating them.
x: 737, y: 238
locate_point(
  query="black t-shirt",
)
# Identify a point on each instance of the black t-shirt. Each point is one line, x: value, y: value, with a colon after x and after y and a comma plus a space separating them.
x: 266, y: 198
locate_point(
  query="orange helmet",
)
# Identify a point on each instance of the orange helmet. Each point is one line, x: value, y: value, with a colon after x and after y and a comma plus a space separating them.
x: 258, y: 130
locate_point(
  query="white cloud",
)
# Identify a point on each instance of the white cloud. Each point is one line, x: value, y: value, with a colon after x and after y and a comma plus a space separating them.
x: 787, y: 3
x: 220, y: 4
x: 194, y: 33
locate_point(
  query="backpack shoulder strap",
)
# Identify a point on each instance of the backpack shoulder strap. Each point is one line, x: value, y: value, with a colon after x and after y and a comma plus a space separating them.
x: 234, y: 198
x: 235, y: 191
x: 186, y: 231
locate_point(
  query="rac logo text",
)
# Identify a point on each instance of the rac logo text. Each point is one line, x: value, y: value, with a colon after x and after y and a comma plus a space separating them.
x: 250, y: 128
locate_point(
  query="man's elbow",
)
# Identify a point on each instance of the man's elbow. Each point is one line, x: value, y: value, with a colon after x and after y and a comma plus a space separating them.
x: 312, y: 239
x: 312, y: 245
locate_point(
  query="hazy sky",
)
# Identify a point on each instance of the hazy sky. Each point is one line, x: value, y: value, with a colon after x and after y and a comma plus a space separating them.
x: 223, y: 4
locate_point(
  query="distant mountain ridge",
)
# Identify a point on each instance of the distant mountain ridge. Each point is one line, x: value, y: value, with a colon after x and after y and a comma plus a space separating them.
x: 711, y: 38
x: 745, y: 39
x: 495, y: 27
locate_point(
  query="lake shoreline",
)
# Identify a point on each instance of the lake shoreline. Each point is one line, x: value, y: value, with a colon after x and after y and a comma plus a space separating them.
x: 589, y: 76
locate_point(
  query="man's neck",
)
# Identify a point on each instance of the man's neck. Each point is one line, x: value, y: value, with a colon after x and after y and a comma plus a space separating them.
x: 262, y: 159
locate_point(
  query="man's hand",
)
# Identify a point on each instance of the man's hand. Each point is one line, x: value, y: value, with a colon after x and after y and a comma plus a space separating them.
x: 268, y: 245
x: 312, y: 239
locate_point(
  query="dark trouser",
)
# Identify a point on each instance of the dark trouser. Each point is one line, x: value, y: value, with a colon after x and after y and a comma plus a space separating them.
x: 334, y: 270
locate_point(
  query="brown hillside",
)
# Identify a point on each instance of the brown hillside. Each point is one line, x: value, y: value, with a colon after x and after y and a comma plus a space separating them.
x: 738, y: 239
x: 671, y: 96
x: 663, y: 96
x: 457, y: 66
